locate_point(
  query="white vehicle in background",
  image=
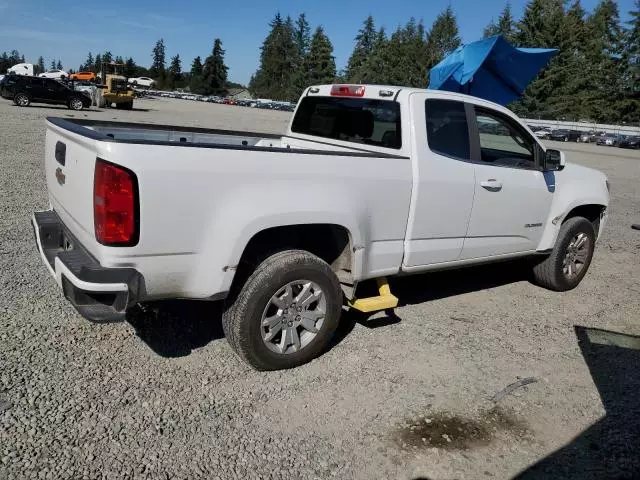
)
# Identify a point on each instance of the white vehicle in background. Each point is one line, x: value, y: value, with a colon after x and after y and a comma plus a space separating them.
x: 142, y: 81
x: 55, y: 73
x: 368, y: 182
x: 543, y: 133
x: 21, y: 69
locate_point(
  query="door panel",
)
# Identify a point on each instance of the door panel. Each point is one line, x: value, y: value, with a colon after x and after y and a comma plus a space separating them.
x: 33, y: 87
x: 508, y: 219
x: 512, y: 197
x: 444, y: 182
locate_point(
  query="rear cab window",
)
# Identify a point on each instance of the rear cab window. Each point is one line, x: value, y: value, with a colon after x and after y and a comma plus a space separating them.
x: 447, y: 128
x: 357, y: 120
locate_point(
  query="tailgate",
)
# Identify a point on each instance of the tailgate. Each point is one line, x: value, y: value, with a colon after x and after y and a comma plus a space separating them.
x: 69, y: 165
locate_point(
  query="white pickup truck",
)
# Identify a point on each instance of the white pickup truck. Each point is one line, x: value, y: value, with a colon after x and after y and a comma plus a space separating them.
x: 368, y: 182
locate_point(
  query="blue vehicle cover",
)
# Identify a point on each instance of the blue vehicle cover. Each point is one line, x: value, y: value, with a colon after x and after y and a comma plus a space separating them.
x: 491, y: 69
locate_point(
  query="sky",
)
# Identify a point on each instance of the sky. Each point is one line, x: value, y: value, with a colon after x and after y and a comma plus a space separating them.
x: 130, y: 28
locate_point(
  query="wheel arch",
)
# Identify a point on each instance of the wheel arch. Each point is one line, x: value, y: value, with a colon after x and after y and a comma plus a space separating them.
x: 591, y: 211
x: 332, y: 242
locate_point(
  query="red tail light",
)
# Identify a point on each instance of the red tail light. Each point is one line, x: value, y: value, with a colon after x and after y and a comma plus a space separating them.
x: 115, y: 205
x: 347, y: 90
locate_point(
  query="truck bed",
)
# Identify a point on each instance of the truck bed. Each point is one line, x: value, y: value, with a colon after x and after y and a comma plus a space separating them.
x: 152, y: 134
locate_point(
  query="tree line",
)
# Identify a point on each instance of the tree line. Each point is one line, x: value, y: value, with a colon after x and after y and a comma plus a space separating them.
x: 595, y: 76
x: 8, y: 60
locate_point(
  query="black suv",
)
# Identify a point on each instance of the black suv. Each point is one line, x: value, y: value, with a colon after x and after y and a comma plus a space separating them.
x: 564, y: 135
x: 23, y: 90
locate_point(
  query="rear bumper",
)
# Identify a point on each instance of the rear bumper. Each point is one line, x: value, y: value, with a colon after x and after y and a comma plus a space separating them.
x: 99, y: 294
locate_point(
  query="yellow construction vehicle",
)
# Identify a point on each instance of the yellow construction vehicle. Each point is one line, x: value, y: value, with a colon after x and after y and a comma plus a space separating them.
x: 115, y: 88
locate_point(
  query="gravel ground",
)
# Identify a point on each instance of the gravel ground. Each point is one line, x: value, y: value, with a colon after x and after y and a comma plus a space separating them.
x: 163, y: 396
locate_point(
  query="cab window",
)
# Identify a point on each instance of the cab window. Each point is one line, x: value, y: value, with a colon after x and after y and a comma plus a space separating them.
x: 503, y: 142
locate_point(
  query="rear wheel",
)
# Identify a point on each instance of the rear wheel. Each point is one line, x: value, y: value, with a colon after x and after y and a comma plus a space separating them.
x: 285, y: 313
x: 22, y: 100
x: 567, y: 265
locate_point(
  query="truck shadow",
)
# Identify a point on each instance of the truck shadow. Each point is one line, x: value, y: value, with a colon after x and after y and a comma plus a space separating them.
x: 610, y: 448
x: 426, y: 287
x: 174, y: 328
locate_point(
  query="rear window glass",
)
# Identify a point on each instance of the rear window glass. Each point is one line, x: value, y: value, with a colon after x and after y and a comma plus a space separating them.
x: 447, y: 129
x: 359, y: 120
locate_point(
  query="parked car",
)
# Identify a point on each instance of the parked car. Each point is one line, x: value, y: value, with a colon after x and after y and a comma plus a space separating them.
x: 55, y: 73
x: 142, y: 81
x: 286, y: 227
x: 564, y: 135
x: 543, y: 132
x: 584, y: 137
x: 595, y: 136
x: 83, y: 76
x: 630, y: 142
x: 24, y: 90
x: 608, y: 140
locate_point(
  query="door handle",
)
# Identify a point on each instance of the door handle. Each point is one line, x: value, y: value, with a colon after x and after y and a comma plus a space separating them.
x: 491, y: 184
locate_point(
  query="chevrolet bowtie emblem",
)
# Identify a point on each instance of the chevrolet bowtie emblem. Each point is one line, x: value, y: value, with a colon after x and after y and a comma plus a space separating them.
x: 61, y: 177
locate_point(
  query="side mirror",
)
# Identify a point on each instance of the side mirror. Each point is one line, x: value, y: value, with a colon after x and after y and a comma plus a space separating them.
x: 554, y: 160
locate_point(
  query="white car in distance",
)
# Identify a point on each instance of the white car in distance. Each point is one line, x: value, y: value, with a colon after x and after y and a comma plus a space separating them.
x: 142, y: 81
x: 55, y: 73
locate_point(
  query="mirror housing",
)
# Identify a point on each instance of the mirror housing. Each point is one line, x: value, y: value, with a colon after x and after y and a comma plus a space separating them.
x: 554, y: 160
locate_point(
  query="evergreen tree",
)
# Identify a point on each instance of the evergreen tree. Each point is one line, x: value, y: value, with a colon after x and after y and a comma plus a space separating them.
x: 59, y: 65
x: 214, y: 71
x: 53, y: 65
x: 5, y: 62
x: 196, y: 84
x: 119, y: 59
x: 88, y: 65
x: 543, y: 26
x: 629, y: 107
x: 604, y: 52
x: 303, y: 35
x: 129, y: 68
x: 158, y: 63
x: 107, y: 57
x: 14, y: 57
x: 39, y: 66
x: 375, y: 67
x: 364, y: 44
x: 175, y: 72
x: 505, y: 25
x: 320, y: 63
x: 279, y: 55
x: 97, y: 66
x: 402, y: 60
x: 443, y: 37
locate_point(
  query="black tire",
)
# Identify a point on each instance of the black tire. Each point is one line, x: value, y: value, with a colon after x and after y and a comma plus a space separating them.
x: 22, y: 99
x: 75, y: 103
x: 128, y: 105
x: 549, y: 273
x: 243, y: 311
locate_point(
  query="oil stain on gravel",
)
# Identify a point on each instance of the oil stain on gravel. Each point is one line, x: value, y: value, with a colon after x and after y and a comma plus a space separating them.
x: 452, y: 432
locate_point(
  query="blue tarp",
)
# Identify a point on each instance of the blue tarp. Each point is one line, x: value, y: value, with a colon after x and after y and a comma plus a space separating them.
x: 491, y: 69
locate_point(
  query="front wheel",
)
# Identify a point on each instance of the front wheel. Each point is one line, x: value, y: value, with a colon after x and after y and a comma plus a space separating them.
x: 285, y: 313
x: 567, y: 265
x: 22, y: 100
x: 76, y: 103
